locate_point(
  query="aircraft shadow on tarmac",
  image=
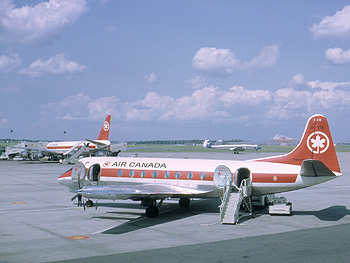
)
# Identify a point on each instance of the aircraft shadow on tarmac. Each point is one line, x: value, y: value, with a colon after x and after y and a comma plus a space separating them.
x: 332, y: 213
x: 170, y: 212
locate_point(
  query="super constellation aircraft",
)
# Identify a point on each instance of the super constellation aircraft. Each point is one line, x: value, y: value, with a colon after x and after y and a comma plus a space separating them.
x: 151, y: 180
x: 232, y: 147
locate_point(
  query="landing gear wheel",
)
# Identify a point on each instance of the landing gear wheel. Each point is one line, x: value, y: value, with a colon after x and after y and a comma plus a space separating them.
x: 152, y: 211
x: 184, y: 202
x: 89, y: 203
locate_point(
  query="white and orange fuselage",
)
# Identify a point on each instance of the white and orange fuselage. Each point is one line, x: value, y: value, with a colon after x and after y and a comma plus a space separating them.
x: 63, y: 147
x: 158, y: 178
x: 267, y: 178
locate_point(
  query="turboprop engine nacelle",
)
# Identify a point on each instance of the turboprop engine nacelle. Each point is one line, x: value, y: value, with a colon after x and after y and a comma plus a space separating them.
x: 38, y: 155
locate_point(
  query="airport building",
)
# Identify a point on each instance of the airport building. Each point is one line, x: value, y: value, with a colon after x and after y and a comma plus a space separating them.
x: 281, y: 140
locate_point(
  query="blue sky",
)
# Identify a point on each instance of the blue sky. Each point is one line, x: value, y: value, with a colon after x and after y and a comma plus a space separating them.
x: 173, y: 69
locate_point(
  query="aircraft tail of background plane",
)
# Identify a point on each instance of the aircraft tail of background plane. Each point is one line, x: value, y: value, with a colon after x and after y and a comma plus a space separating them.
x: 104, y: 133
x: 316, y: 143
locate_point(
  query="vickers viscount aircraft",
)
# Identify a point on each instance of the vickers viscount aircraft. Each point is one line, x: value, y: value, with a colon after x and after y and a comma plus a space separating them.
x: 151, y: 180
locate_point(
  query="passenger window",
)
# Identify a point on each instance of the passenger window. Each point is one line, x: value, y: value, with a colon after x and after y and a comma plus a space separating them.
x: 120, y: 173
x: 166, y: 175
x: 177, y: 175
x: 131, y: 173
x: 189, y: 175
x: 203, y: 175
x: 143, y: 174
x: 154, y: 174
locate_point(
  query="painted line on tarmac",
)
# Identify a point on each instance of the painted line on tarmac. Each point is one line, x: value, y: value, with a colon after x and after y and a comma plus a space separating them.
x: 35, y: 210
x: 78, y: 237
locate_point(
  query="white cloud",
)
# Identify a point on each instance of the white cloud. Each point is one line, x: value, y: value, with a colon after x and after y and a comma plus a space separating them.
x: 328, y: 85
x: 267, y: 58
x: 215, y: 61
x: 7, y: 63
x: 197, y: 82
x: 58, y: 64
x: 223, y: 62
x: 337, y: 25
x: 297, y: 80
x: 151, y: 78
x: 102, y: 106
x: 70, y: 108
x: 39, y: 22
x: 211, y: 105
x: 338, y: 56
x: 237, y: 95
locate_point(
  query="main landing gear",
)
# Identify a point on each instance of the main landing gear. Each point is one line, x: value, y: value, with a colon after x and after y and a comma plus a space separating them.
x: 152, y: 210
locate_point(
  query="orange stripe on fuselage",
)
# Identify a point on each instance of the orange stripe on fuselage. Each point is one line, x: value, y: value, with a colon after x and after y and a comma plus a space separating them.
x: 67, y: 174
x: 273, y: 178
x: 160, y: 174
x: 256, y: 177
x: 66, y: 147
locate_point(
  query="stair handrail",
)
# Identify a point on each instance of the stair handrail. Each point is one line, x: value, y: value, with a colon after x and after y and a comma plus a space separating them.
x: 246, y: 187
x: 74, y: 155
x: 226, y: 192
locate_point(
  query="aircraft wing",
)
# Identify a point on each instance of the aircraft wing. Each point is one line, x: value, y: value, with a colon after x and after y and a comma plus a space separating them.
x: 133, y: 191
x: 236, y: 147
x: 104, y: 145
x: 29, y: 149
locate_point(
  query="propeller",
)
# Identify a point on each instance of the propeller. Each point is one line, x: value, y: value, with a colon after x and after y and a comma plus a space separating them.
x: 79, y: 172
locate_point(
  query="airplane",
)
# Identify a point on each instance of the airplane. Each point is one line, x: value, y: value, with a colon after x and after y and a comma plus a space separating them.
x: 152, y: 180
x: 63, y: 150
x: 232, y: 147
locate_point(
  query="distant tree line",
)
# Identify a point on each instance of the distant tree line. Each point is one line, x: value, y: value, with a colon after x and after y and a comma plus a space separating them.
x: 177, y: 142
x: 167, y: 142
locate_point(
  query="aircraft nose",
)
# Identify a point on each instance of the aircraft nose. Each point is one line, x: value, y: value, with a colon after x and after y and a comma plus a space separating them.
x: 66, y: 178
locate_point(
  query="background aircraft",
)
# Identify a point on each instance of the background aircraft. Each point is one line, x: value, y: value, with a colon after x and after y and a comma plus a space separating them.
x: 232, y: 147
x: 66, y: 149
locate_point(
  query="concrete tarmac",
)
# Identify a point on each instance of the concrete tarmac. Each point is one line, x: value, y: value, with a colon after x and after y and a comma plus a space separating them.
x: 39, y: 223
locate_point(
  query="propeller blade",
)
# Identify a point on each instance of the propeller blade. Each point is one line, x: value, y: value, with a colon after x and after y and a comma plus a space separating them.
x: 74, y: 197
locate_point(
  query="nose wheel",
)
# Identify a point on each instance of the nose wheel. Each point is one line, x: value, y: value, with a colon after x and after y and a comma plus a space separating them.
x: 89, y: 203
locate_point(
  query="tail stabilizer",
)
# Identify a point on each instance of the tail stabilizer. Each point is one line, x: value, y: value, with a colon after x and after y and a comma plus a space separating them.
x: 104, y: 133
x: 206, y: 144
x: 316, y: 143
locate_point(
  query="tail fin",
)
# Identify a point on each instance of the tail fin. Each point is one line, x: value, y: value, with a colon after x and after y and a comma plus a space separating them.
x: 316, y: 143
x: 206, y: 144
x: 104, y: 133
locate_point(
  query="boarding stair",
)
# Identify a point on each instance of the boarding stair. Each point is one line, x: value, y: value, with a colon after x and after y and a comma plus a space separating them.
x: 232, y: 200
x: 73, y: 158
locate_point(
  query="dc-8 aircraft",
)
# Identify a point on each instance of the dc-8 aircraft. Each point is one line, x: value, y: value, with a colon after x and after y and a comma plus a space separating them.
x: 151, y: 180
x: 62, y: 150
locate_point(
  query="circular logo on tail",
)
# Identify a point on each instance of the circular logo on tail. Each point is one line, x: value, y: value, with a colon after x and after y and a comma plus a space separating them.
x: 318, y: 142
x: 106, y: 126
